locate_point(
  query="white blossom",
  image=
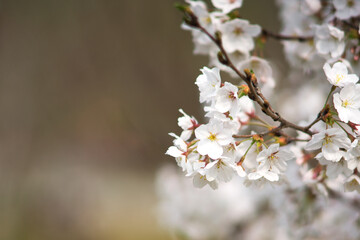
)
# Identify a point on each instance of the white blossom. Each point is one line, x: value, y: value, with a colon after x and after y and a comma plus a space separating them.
x: 251, y: 151
x: 334, y: 169
x: 272, y: 163
x: 247, y: 105
x: 233, y: 155
x: 338, y: 75
x: 310, y: 7
x: 188, y: 124
x: 221, y: 170
x: 227, y: 5
x: 303, y: 55
x: 209, y: 83
x: 212, y: 137
x: 347, y: 103
x: 329, y: 40
x: 200, y: 181
x: 353, y: 155
x: 330, y: 141
x: 231, y: 152
x: 230, y: 124
x: 346, y: 9
x: 188, y: 161
x: 205, y: 19
x: 178, y: 150
x: 352, y: 184
x: 227, y: 99
x: 237, y: 35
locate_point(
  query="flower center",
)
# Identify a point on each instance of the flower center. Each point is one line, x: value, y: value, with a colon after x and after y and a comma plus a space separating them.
x: 350, y: 3
x: 338, y: 78
x: 353, y: 183
x: 212, y: 137
x: 232, y: 1
x: 232, y: 96
x: 238, y: 31
x: 218, y: 164
x: 272, y: 157
x: 327, y: 140
x: 345, y: 103
x: 207, y: 20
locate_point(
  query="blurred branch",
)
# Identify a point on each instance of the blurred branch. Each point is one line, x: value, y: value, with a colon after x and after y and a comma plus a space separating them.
x: 277, y: 36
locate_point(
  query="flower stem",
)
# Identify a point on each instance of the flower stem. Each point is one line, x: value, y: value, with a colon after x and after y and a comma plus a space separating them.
x: 349, y: 134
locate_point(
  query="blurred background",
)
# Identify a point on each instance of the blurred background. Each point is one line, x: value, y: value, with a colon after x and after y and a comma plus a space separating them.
x: 89, y: 90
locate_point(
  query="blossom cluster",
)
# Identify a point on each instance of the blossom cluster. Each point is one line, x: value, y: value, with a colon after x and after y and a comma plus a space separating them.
x: 331, y: 35
x: 317, y: 36
x: 234, y: 211
x: 237, y: 35
x: 214, y: 154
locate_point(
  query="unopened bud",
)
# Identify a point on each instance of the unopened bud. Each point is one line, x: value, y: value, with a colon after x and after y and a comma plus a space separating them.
x: 353, y: 126
x: 218, y: 37
x: 190, y: 18
x: 254, y: 79
x: 222, y: 59
x: 258, y: 138
x: 181, y: 7
x: 247, y: 73
x: 328, y: 119
x: 243, y: 90
x: 234, y: 14
x: 281, y: 140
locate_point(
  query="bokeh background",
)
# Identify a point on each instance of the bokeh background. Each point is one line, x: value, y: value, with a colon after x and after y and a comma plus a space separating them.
x: 89, y: 90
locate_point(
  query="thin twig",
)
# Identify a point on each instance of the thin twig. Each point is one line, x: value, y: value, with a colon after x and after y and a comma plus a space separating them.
x: 277, y: 36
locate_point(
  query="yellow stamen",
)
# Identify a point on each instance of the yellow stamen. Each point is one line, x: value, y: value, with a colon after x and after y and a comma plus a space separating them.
x: 273, y: 157
x: 338, y: 78
x: 218, y: 164
x: 353, y: 183
x: 212, y: 137
x: 345, y: 103
x: 327, y: 140
x: 238, y: 31
x: 208, y: 20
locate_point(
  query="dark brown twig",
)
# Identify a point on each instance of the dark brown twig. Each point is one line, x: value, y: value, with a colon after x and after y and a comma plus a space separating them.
x: 277, y: 36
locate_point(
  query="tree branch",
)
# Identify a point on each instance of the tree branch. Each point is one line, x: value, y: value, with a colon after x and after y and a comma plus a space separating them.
x: 276, y: 36
x: 250, y: 79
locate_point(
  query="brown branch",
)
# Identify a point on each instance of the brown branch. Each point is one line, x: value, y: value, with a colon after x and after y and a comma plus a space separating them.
x: 350, y: 25
x: 346, y: 23
x: 250, y: 79
x: 276, y: 131
x: 244, y: 136
x: 277, y: 36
